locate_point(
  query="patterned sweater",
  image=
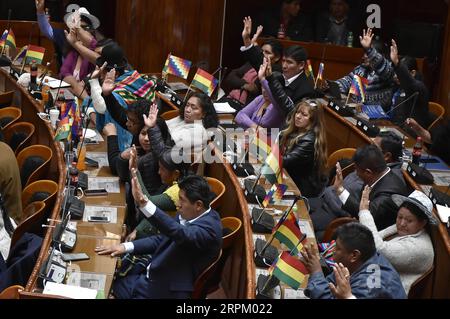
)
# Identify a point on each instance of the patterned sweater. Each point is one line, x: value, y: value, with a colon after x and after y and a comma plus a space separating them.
x: 380, y: 75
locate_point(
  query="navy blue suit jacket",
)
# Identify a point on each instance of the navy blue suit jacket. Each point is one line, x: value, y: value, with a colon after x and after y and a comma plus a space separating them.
x: 180, y: 253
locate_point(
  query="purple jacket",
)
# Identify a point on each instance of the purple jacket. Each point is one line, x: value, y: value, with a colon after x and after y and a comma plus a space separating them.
x: 70, y: 62
x: 273, y: 118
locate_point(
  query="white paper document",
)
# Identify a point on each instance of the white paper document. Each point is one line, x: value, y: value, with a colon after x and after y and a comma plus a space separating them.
x: 441, y: 178
x: 443, y: 212
x: 98, y: 211
x: 100, y: 157
x: 224, y: 108
x: 111, y: 184
x: 305, y: 228
x: 74, y: 292
x: 87, y: 280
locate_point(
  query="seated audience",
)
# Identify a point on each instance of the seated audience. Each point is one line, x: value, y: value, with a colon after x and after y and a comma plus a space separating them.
x: 371, y: 275
x: 372, y: 169
x: 407, y: 244
x: 10, y: 182
x: 409, y: 81
x: 437, y: 138
x: 330, y: 206
x: 264, y: 111
x: 288, y: 16
x: 377, y: 69
x: 242, y: 84
x: 170, y: 173
x: 293, y: 82
x: 186, y: 246
x: 335, y: 25
x: 187, y: 131
x: 303, y: 146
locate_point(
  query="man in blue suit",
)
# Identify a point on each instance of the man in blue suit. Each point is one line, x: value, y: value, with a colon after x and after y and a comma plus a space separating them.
x: 186, y: 246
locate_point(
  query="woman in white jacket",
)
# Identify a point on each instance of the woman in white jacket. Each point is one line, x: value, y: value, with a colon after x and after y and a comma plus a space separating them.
x: 406, y: 244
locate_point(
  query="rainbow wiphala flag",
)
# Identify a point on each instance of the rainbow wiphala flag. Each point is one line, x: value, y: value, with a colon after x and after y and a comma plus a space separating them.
x: 177, y: 66
x: 358, y: 87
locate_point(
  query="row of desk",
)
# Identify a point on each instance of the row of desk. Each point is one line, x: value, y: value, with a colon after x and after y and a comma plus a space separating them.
x: 240, y: 273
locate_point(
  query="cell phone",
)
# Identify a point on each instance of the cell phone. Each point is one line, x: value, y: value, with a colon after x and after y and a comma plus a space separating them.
x: 95, y: 192
x: 75, y: 257
x: 99, y: 219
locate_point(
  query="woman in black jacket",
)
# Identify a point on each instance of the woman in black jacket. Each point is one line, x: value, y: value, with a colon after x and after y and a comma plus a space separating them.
x: 304, y: 148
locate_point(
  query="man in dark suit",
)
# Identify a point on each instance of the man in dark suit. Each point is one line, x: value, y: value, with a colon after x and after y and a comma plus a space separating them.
x: 372, y: 169
x: 186, y: 246
x: 292, y: 84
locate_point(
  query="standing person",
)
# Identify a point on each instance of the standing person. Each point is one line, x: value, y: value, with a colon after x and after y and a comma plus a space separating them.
x: 304, y: 148
x: 186, y: 246
x: 287, y: 22
x: 335, y: 25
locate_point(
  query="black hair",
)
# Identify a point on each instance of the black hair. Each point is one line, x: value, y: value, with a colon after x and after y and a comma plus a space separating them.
x: 297, y: 53
x: 2, y: 138
x: 166, y: 160
x: 370, y: 157
x: 392, y: 143
x: 416, y: 211
x: 380, y: 46
x: 276, y: 46
x: 409, y: 62
x: 141, y: 107
x: 210, y: 119
x: 196, y: 188
x: 87, y: 21
x: 355, y: 236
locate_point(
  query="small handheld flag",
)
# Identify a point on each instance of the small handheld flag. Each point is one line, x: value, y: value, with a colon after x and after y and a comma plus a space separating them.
x: 319, y: 74
x: 3, y: 38
x: 289, y: 234
x: 275, y: 194
x: 358, y: 87
x: 309, y: 69
x: 272, y: 168
x: 177, y: 66
x: 21, y: 55
x: 205, y: 82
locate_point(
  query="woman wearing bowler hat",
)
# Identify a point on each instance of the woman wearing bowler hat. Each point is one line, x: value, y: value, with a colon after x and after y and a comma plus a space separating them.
x: 406, y: 244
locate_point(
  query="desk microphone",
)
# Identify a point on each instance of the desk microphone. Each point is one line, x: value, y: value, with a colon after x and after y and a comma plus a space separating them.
x: 265, y: 253
x: 414, y: 95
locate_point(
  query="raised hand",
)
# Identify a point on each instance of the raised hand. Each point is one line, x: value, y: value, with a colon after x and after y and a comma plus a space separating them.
x: 364, y: 204
x: 132, y: 164
x: 110, y: 129
x: 99, y: 71
x: 263, y: 70
x: 338, y: 180
x: 136, y: 190
x: 246, y: 32
x: 40, y: 6
x: 71, y: 36
x: 311, y: 258
x: 342, y: 289
x: 366, y: 38
x: 109, y: 82
x: 259, y: 30
x: 150, y: 120
x: 394, y: 53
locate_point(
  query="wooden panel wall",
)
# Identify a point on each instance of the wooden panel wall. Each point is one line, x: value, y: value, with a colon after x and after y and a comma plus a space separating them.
x: 150, y: 29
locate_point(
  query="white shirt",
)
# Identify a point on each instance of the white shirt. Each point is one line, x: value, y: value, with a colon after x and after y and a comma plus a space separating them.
x: 345, y: 194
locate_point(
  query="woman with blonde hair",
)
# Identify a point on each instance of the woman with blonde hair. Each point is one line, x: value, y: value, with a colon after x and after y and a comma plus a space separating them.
x: 304, y: 148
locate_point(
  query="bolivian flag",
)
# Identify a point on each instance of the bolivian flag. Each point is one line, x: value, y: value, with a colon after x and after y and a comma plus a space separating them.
x: 290, y: 270
x: 272, y: 168
x: 205, y: 82
x: 289, y: 234
x: 34, y: 53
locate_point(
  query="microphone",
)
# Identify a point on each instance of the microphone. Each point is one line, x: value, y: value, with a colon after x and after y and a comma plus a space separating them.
x: 414, y: 95
x: 239, y: 167
x: 265, y: 253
